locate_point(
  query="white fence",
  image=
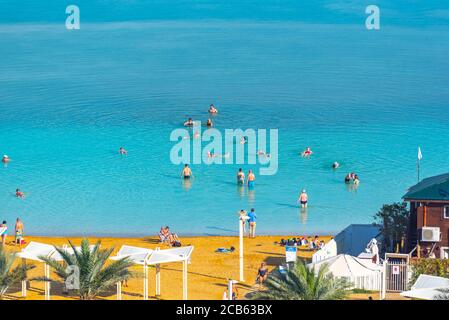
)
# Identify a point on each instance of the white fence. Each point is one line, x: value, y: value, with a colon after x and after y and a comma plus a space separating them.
x: 368, y: 282
x: 329, y: 250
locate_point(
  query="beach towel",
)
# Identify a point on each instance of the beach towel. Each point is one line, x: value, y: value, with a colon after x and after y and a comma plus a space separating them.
x: 3, y: 230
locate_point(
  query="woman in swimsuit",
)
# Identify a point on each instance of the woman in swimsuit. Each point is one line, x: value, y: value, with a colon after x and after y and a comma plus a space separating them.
x: 240, y: 177
x: 212, y: 109
x: 262, y: 273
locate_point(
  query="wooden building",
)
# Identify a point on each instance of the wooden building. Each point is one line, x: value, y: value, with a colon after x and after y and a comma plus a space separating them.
x: 429, y: 217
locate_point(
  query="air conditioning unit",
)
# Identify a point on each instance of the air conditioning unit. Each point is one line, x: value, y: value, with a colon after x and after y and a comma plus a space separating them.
x: 430, y: 234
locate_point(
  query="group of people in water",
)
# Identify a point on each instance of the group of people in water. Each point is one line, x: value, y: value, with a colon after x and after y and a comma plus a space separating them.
x: 209, y: 123
x: 352, y: 177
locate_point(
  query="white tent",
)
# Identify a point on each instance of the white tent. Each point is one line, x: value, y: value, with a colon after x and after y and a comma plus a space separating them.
x: 33, y: 251
x: 146, y: 257
x: 423, y: 294
x: 329, y: 250
x: 361, y: 273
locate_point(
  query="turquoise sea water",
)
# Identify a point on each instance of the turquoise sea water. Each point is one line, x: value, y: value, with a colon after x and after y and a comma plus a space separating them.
x: 137, y: 69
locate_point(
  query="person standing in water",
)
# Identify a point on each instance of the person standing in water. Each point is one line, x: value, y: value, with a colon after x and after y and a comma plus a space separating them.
x: 251, y: 179
x: 209, y: 123
x: 240, y: 177
x: 212, y: 109
x: 186, y: 172
x: 6, y: 159
x: 252, y: 223
x: 303, y: 199
x: 122, y: 151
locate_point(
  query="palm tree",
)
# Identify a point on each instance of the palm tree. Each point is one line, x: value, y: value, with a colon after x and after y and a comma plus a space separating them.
x: 9, y: 275
x: 302, y: 283
x: 93, y: 275
x: 444, y: 295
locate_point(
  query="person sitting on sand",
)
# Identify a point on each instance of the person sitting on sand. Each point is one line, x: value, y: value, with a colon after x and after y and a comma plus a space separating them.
x: 212, y: 109
x: 122, y: 151
x: 251, y: 179
x: 6, y: 159
x: 186, y: 172
x: 303, y: 199
x: 20, y: 194
x: 188, y: 123
x: 262, y: 273
x: 240, y: 177
x: 209, y: 123
x: 307, y: 153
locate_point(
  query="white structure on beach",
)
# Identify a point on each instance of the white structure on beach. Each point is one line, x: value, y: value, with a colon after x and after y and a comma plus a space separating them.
x: 329, y: 250
x: 146, y: 257
x: 426, y: 287
x: 33, y: 251
x: 361, y: 273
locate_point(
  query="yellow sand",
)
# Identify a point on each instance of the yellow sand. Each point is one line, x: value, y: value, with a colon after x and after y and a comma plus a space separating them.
x: 207, y: 273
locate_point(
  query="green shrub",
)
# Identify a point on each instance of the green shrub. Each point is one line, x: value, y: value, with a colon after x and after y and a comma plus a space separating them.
x: 434, y: 267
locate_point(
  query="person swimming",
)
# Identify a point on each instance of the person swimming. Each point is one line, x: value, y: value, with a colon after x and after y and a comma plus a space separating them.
x: 335, y: 165
x: 209, y: 123
x: 240, y: 176
x: 262, y: 153
x: 20, y: 194
x: 6, y: 159
x: 243, y: 140
x: 356, y: 180
x: 303, y: 199
x: 251, y: 179
x: 307, y: 153
x: 186, y: 172
x: 188, y: 123
x: 122, y: 151
x: 212, y: 109
x: 348, y: 178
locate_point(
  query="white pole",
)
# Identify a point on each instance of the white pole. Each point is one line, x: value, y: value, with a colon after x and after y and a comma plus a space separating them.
x: 384, y: 280
x: 241, y: 248
x: 184, y: 280
x: 119, y: 290
x: 47, y: 283
x: 158, y: 280
x: 24, y: 282
x: 229, y: 289
x: 145, y: 281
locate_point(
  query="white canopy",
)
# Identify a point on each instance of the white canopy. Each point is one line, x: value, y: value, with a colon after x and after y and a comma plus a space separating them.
x: 426, y: 287
x: 345, y: 265
x: 34, y: 250
x: 426, y: 281
x: 146, y: 257
x: 424, y: 294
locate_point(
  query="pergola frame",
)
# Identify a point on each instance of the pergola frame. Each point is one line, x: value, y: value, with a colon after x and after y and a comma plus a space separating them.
x: 147, y: 257
x: 33, y: 251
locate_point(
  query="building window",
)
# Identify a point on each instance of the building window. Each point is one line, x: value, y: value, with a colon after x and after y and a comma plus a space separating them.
x: 446, y: 212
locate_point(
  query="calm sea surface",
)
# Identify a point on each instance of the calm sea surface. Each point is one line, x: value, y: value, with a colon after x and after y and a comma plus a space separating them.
x: 137, y: 69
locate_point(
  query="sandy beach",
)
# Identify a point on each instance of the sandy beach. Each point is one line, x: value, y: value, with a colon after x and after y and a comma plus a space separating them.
x: 207, y: 273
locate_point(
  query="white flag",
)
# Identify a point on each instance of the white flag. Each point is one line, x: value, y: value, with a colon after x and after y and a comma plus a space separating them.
x: 419, y: 154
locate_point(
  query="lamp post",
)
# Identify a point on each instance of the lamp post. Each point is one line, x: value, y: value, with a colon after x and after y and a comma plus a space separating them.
x: 242, y: 220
